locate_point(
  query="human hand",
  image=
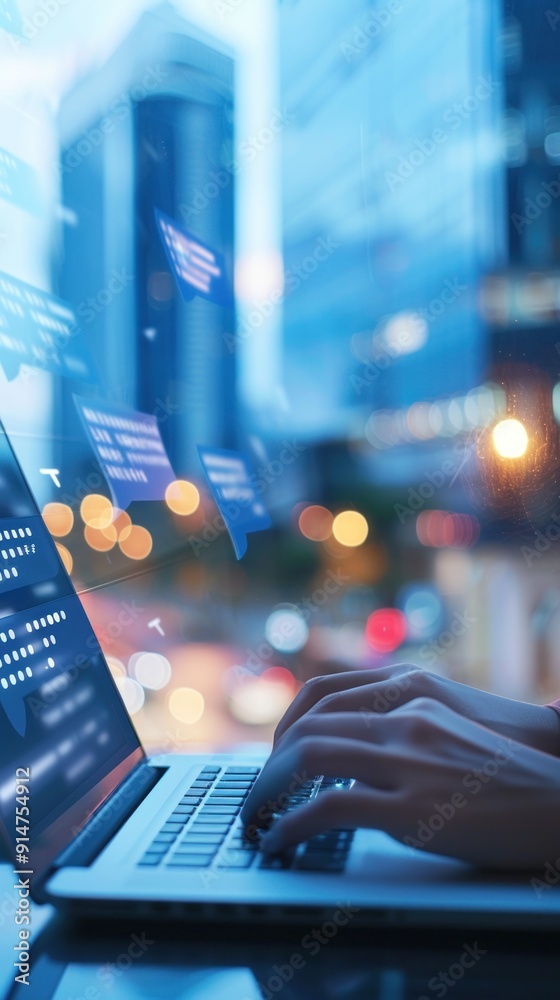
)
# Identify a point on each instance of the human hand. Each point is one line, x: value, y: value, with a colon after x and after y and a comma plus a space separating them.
x: 426, y: 775
x: 385, y: 688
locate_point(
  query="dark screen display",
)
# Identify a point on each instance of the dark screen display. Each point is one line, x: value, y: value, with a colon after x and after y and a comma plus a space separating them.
x: 61, y: 717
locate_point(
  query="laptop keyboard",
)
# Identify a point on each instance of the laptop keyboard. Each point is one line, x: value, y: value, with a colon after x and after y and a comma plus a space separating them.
x: 204, y: 828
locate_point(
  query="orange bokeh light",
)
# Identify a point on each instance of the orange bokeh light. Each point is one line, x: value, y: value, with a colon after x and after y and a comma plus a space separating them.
x: 316, y: 523
x: 135, y: 542
x: 58, y: 518
x: 66, y: 557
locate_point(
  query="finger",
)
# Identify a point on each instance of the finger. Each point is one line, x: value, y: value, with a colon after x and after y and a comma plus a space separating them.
x: 287, y: 771
x: 377, y: 809
x: 369, y: 700
x: 349, y: 725
x: 321, y: 687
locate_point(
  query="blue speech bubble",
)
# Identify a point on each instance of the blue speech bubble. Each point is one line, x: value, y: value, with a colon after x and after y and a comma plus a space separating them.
x: 198, y: 269
x: 36, y: 646
x: 39, y: 330
x: 18, y: 183
x: 229, y: 479
x: 129, y: 449
x: 10, y: 17
x: 24, y: 558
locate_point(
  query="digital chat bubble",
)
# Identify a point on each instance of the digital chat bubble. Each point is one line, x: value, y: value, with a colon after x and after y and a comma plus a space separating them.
x: 18, y: 181
x: 37, y: 646
x: 10, y: 17
x: 39, y: 330
x: 229, y: 479
x: 24, y: 557
x: 197, y: 268
x: 129, y: 449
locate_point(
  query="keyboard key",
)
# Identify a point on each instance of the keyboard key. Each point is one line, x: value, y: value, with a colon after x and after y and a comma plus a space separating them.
x: 181, y: 810
x: 225, y: 800
x: 150, y: 859
x: 213, y: 810
x: 232, y: 785
x: 235, y: 859
x: 201, y: 785
x: 209, y: 769
x: 202, y: 838
x: 208, y: 828
x: 189, y: 861
x: 164, y: 838
x: 171, y: 828
x: 242, y: 769
x: 207, y: 816
x: 158, y: 849
x: 198, y: 849
x: 190, y: 800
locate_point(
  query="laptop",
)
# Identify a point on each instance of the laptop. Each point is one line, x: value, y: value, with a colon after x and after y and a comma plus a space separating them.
x: 97, y: 828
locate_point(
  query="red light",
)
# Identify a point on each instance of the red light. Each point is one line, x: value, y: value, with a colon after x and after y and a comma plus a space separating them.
x: 386, y: 630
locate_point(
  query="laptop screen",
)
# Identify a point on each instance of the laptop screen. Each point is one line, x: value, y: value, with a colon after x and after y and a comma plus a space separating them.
x: 66, y: 737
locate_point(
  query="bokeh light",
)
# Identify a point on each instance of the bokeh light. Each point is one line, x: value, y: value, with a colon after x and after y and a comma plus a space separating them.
x: 101, y: 540
x: 116, y: 666
x: 152, y: 670
x: 182, y: 497
x: 286, y: 630
x: 135, y: 542
x: 132, y: 693
x: 439, y: 529
x: 186, y: 704
x: 350, y: 528
x: 261, y: 701
x: 386, y: 630
x: 316, y: 523
x: 96, y: 511
x: 58, y: 518
x: 120, y: 521
x: 66, y: 557
x: 422, y: 608
x: 510, y: 439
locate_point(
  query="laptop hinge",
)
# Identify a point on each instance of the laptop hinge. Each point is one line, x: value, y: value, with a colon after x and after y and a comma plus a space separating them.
x: 109, y: 817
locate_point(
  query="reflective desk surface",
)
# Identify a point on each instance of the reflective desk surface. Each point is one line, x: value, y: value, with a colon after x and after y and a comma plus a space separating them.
x: 136, y: 961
